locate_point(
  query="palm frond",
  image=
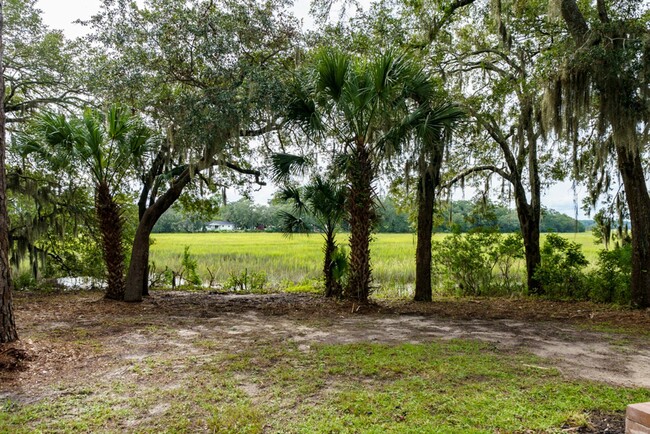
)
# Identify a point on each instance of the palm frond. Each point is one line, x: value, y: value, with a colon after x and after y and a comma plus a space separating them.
x: 118, y: 122
x: 436, y: 123
x: 302, y: 109
x: 283, y: 166
x: 90, y: 144
x: 327, y: 200
x: 292, y: 224
x: 292, y: 194
x: 332, y: 69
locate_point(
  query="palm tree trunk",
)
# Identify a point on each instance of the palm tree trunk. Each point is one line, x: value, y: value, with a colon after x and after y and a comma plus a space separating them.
x: 330, y: 247
x: 362, y: 214
x: 427, y: 185
x: 8, y: 331
x: 426, y: 189
x: 110, y: 226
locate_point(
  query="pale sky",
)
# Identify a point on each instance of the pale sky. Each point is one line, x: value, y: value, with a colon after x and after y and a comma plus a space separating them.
x: 60, y: 14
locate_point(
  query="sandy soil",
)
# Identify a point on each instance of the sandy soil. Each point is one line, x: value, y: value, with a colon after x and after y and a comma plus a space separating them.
x: 81, y: 335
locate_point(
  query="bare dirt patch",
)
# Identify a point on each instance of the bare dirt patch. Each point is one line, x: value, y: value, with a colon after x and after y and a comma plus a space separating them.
x: 70, y: 337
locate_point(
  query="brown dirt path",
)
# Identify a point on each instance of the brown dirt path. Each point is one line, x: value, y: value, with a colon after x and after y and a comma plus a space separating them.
x: 80, y: 335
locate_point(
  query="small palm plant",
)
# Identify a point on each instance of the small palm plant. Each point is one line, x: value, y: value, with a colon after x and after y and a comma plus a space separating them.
x: 102, y: 149
x: 322, y: 199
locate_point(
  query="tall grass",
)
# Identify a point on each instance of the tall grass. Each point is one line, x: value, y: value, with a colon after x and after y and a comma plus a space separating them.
x: 298, y: 258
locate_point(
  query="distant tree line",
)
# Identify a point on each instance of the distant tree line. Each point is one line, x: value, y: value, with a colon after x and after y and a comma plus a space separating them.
x: 464, y: 216
x: 459, y: 216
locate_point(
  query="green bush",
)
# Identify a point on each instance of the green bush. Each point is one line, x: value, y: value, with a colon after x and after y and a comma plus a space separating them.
x: 561, y: 271
x: 189, y: 265
x: 511, y: 254
x: 477, y: 263
x: 610, y: 282
x: 340, y: 268
x: 24, y: 280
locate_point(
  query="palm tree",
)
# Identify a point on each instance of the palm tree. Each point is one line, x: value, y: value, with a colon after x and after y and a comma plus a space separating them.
x: 432, y: 131
x: 323, y: 199
x: 428, y: 128
x: 369, y: 108
x: 105, y: 149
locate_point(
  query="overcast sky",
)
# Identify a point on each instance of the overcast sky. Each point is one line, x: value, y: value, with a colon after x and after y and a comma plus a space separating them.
x: 60, y: 14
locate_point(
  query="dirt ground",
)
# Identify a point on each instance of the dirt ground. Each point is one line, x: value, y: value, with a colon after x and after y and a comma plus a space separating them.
x: 80, y: 335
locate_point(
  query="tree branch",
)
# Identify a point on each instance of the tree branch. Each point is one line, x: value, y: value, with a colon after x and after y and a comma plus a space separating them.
x: 260, y: 131
x: 242, y: 170
x: 471, y: 170
x: 575, y: 20
x: 602, y: 11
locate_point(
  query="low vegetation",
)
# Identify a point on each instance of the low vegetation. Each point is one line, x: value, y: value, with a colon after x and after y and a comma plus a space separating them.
x: 301, y: 364
x: 465, y: 264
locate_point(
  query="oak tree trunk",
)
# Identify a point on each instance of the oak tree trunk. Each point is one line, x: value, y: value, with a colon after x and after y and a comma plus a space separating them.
x: 619, y: 102
x: 8, y: 331
x: 137, y: 278
x: 638, y: 202
x: 529, y: 221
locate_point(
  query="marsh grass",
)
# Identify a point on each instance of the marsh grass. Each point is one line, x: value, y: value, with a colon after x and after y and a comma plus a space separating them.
x: 297, y: 260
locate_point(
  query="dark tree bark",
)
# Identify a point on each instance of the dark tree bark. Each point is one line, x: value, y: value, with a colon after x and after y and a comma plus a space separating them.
x: 8, y: 331
x: 638, y: 203
x: 362, y: 215
x: 148, y: 193
x: 110, y: 227
x: 331, y: 287
x: 620, y: 104
x: 426, y: 200
x: 529, y: 220
x: 137, y: 278
x: 528, y: 213
x: 427, y: 185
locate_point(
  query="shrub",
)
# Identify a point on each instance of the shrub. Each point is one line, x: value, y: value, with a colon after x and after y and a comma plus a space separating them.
x: 561, y: 271
x: 24, y: 280
x: 511, y: 252
x: 185, y: 275
x: 340, y: 267
x: 189, y: 265
x: 610, y: 282
x: 466, y: 263
x: 249, y: 282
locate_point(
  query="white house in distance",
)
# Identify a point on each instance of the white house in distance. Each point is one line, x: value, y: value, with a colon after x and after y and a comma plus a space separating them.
x: 219, y: 225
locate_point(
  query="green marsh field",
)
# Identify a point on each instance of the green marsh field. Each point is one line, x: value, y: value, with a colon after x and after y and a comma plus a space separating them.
x: 297, y: 259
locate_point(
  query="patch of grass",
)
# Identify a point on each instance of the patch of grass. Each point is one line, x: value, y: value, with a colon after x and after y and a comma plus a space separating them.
x: 605, y: 327
x: 237, y: 418
x: 305, y: 287
x: 273, y: 386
